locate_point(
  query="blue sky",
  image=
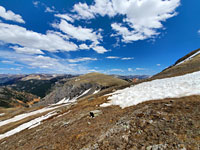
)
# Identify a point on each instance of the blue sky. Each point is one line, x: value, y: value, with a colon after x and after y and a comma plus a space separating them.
x: 110, y: 36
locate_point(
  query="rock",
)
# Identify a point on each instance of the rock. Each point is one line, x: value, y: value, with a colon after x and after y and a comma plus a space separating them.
x: 96, y: 113
x: 157, y: 147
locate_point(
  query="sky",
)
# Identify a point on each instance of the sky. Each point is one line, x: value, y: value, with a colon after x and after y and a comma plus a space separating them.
x: 127, y: 37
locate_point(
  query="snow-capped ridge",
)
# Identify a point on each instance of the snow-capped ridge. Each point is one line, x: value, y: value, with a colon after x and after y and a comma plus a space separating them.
x: 189, y: 58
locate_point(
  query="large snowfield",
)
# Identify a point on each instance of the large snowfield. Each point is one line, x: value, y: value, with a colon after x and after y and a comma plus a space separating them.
x: 173, y: 87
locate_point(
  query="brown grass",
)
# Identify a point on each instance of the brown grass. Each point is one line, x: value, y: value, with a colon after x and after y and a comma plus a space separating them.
x: 81, y: 130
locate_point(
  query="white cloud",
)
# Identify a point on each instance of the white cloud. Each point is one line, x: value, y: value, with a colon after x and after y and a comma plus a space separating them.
x: 7, y: 62
x: 130, y: 69
x: 99, y: 49
x: 44, y: 63
x: 158, y: 65
x: 36, y: 3
x: 116, y: 70
x: 64, y: 16
x: 140, y: 69
x: 26, y: 50
x: 81, y: 59
x: 198, y: 32
x: 101, y: 7
x: 128, y: 58
x: 79, y: 33
x: 9, y: 15
x: 84, y: 46
x: 112, y: 57
x: 50, y: 10
x: 143, y: 17
x: 14, y: 34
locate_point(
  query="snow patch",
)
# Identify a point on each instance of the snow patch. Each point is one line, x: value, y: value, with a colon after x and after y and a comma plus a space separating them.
x: 84, y: 93
x: 77, y: 79
x: 63, y: 101
x: 97, y: 91
x: 29, y: 125
x: 2, y: 114
x: 173, y: 87
x: 25, y: 115
x: 189, y: 58
x: 68, y: 101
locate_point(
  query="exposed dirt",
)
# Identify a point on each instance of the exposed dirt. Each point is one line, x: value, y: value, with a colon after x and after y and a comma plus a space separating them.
x: 164, y: 124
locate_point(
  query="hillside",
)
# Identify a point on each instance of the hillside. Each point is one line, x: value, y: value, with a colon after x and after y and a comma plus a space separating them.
x: 39, y: 85
x: 187, y: 64
x: 81, y: 86
x: 161, y: 114
x: 12, y: 98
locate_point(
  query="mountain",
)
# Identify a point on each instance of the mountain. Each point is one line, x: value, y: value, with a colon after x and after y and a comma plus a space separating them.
x: 81, y: 86
x: 7, y: 79
x: 159, y: 113
x: 39, y: 85
x: 187, y: 64
x: 130, y: 78
x: 12, y: 98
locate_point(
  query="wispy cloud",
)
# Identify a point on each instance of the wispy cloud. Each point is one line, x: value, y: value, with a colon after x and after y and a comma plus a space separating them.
x: 81, y: 59
x: 116, y: 70
x: 140, y: 69
x: 50, y: 10
x: 123, y: 58
x: 113, y: 57
x: 128, y: 58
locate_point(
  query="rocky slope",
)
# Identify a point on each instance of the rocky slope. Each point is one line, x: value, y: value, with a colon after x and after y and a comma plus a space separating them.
x: 81, y: 86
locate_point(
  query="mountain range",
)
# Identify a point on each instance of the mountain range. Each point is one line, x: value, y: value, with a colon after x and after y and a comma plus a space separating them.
x: 97, y: 111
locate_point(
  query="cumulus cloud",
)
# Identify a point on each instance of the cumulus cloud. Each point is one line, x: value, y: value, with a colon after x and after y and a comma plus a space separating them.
x: 9, y: 15
x: 14, y: 34
x: 82, y: 34
x: 79, y: 33
x: 143, y: 17
x: 101, y: 7
x: 81, y: 59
